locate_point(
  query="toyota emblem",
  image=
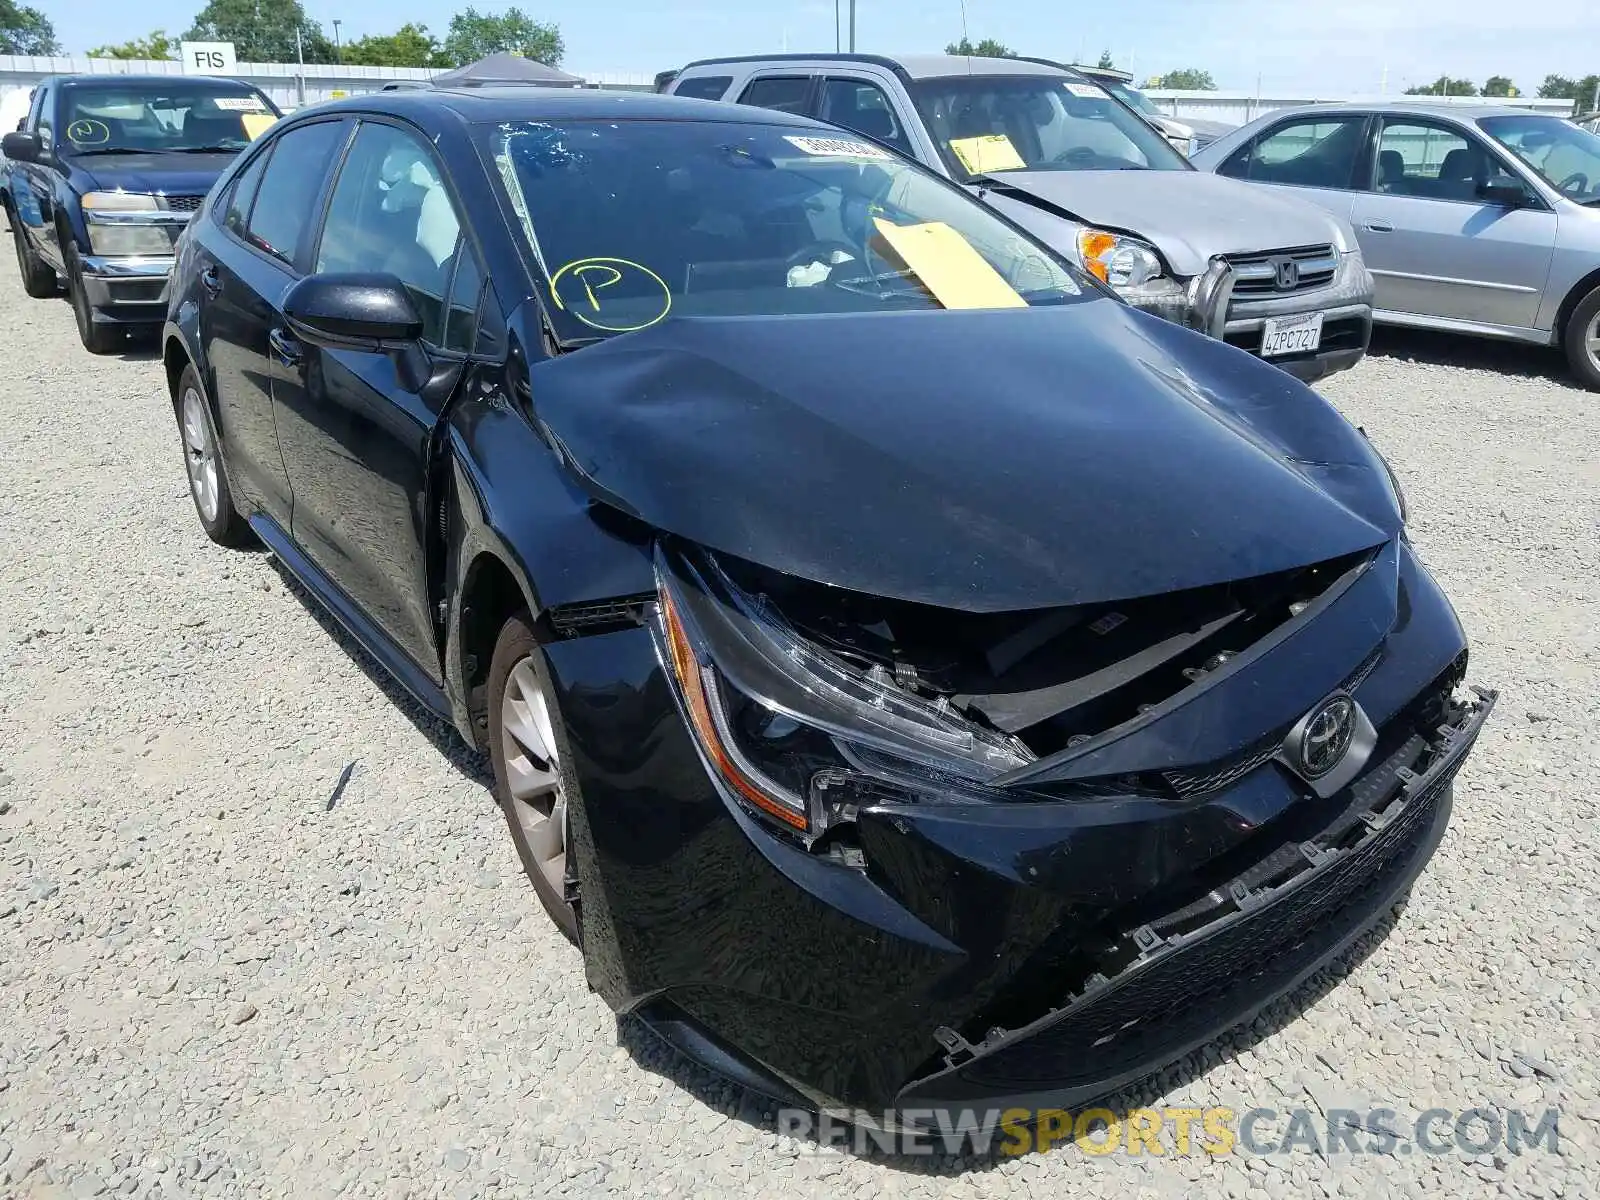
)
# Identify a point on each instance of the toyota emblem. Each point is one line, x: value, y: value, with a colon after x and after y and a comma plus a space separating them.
x: 1327, y: 736
x: 1288, y: 274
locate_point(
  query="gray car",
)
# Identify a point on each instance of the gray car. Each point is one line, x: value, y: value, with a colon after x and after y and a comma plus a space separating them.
x: 1482, y: 221
x: 1085, y: 174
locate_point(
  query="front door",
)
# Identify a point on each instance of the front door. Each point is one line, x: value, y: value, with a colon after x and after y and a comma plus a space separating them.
x: 1435, y: 248
x: 358, y: 427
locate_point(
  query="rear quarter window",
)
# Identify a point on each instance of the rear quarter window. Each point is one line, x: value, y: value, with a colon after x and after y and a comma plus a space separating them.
x: 704, y: 87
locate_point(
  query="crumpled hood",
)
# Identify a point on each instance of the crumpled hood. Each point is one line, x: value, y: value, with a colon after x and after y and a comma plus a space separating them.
x: 978, y: 460
x: 1189, y: 215
x: 161, y: 174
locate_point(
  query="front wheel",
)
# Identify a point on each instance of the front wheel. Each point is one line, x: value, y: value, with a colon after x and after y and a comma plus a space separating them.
x: 533, y: 779
x: 38, y: 276
x: 96, y: 338
x: 1583, y: 340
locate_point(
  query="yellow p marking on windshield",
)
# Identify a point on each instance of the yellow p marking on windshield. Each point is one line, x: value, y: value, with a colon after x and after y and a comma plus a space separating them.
x: 597, y: 274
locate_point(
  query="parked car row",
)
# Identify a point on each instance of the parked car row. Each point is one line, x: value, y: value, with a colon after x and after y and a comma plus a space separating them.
x: 915, y: 677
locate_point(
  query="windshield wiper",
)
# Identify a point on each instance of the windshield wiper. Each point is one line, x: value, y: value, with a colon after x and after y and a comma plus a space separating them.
x: 90, y: 150
x: 199, y: 150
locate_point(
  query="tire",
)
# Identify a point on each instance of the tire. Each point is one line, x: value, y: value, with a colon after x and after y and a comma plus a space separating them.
x: 1582, y: 340
x: 525, y: 724
x: 96, y: 339
x: 205, y: 466
x: 38, y: 276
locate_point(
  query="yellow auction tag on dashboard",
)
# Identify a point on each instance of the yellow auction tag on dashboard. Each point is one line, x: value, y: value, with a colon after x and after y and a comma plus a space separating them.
x: 948, y: 266
x: 993, y: 152
x: 255, y: 124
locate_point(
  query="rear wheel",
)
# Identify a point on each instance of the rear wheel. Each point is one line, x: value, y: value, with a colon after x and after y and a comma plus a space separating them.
x: 38, y: 276
x: 208, y: 474
x: 96, y: 338
x: 1583, y: 340
x: 533, y: 779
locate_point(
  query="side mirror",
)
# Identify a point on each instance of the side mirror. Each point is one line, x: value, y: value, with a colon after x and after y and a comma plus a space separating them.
x: 1504, y: 191
x: 22, y: 147
x: 353, y: 312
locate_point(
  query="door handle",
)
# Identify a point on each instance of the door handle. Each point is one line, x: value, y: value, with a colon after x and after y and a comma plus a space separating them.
x: 1379, y: 227
x: 211, y: 281
x: 285, y: 347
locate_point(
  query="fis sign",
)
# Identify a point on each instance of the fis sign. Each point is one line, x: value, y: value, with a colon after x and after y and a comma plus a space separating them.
x: 209, y: 58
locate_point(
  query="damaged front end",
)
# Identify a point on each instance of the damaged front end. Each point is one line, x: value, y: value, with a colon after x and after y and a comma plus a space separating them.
x: 889, y: 854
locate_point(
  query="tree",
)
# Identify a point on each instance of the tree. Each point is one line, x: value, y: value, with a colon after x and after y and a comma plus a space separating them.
x: 261, y: 30
x: 157, y: 46
x: 1499, y: 85
x: 1445, y: 86
x: 26, y: 31
x: 988, y: 48
x: 1105, y: 63
x: 409, y: 46
x: 1190, y: 79
x: 1559, y: 87
x: 474, y: 35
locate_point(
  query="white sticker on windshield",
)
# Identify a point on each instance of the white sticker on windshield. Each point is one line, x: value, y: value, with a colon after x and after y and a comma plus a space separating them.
x: 824, y: 147
x: 240, y: 104
x: 1085, y: 91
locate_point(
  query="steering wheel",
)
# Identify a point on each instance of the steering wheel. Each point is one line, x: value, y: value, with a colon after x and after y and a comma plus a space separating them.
x: 1078, y: 156
x: 1575, y: 184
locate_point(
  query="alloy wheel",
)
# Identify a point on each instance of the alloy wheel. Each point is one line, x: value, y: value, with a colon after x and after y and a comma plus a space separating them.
x: 533, y: 773
x: 1591, y: 342
x: 200, y: 455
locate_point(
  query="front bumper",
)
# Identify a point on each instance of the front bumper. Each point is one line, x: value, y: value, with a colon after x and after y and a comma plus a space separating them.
x: 127, y: 290
x: 989, y: 952
x: 1211, y: 306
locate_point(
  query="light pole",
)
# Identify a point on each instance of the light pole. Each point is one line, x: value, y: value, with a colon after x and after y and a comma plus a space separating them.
x: 338, y: 51
x: 852, y: 26
x: 836, y: 43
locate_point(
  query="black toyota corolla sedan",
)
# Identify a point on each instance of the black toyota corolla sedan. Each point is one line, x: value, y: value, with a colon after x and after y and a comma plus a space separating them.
x: 914, y: 677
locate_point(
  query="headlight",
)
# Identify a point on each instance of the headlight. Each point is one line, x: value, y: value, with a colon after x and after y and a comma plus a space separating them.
x: 1118, y: 259
x: 118, y: 228
x: 117, y: 202
x: 130, y: 241
x: 774, y: 716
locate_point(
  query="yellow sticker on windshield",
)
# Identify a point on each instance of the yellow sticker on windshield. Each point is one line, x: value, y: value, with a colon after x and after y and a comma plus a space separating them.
x: 255, y: 124
x: 993, y: 152
x: 948, y: 266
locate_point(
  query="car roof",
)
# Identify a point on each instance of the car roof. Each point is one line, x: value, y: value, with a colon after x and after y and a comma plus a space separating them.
x: 531, y: 103
x: 1465, y: 113
x: 155, y: 81
x: 913, y: 66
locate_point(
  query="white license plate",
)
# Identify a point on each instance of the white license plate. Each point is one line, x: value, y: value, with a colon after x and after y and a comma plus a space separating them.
x: 1291, y: 335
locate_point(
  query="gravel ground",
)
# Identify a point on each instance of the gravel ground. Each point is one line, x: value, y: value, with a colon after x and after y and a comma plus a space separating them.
x: 214, y: 984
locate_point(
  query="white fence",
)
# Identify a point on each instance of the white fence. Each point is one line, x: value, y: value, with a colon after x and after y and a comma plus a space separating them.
x: 1237, y: 108
x: 291, y: 85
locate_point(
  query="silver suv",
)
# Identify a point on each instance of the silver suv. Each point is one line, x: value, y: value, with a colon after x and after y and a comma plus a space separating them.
x: 1083, y: 172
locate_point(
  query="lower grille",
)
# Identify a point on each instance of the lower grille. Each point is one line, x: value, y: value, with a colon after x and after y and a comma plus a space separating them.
x: 184, y: 203
x: 1169, y: 1004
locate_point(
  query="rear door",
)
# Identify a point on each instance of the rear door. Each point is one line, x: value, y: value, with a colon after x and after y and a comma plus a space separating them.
x: 787, y: 91
x: 1434, y: 247
x: 245, y: 267
x: 1317, y: 157
x: 358, y: 437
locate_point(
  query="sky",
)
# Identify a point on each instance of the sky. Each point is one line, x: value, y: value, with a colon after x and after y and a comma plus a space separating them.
x: 1348, y: 47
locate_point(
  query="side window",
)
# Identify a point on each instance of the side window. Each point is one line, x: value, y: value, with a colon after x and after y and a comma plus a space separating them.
x: 461, y: 323
x: 785, y: 93
x: 1417, y: 158
x: 287, y: 195
x: 704, y: 87
x: 39, y: 119
x: 391, y: 213
x: 236, y: 218
x: 1321, y: 152
x: 862, y: 106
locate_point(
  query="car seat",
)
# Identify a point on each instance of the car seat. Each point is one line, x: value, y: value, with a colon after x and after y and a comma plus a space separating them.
x: 1391, y: 171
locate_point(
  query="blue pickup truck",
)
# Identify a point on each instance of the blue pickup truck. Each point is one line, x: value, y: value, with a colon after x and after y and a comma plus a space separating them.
x: 102, y: 177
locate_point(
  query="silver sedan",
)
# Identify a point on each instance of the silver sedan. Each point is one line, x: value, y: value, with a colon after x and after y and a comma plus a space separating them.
x: 1482, y: 221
